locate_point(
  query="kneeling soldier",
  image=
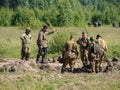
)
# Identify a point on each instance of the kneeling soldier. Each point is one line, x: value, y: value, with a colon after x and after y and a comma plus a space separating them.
x: 70, y: 54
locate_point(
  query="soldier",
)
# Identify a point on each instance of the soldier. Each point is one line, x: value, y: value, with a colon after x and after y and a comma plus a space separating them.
x: 103, y: 48
x: 42, y: 43
x: 84, y: 43
x: 93, y: 54
x: 95, y: 24
x: 26, y: 40
x: 70, y: 54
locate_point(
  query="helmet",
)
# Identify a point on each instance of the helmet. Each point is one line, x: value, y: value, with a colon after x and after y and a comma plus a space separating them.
x: 91, y: 39
x: 28, y: 29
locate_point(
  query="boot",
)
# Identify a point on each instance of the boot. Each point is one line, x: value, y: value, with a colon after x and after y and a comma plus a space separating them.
x: 96, y: 70
x: 27, y: 56
x: 43, y: 58
x: 62, y: 70
x: 100, y: 69
x: 37, y: 58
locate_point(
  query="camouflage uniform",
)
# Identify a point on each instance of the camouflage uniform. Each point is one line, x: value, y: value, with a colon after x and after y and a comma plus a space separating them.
x: 83, y: 50
x: 26, y: 40
x: 103, y: 47
x: 93, y: 55
x: 70, y: 55
x: 42, y: 43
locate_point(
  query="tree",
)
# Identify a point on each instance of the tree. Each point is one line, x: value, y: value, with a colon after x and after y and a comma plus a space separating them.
x: 66, y: 14
x: 5, y: 16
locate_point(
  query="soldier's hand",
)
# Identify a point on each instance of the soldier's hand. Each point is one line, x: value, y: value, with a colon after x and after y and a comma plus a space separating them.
x: 55, y: 30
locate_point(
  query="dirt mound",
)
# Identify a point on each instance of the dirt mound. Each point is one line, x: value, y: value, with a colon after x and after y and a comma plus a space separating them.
x: 13, y: 65
x: 113, y: 65
x: 17, y: 65
x: 50, y: 67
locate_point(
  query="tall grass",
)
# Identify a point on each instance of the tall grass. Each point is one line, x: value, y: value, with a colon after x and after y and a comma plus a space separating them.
x: 10, y: 43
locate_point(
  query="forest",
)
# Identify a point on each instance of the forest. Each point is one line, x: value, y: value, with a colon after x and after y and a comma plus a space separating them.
x: 58, y: 13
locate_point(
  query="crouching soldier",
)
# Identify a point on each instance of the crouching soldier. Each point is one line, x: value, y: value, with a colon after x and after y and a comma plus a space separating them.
x: 26, y: 40
x: 70, y: 54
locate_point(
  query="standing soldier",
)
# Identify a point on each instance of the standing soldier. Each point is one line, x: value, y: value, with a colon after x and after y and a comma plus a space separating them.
x: 26, y: 40
x: 70, y: 54
x: 93, y: 55
x: 103, y: 47
x: 84, y: 43
x: 42, y: 43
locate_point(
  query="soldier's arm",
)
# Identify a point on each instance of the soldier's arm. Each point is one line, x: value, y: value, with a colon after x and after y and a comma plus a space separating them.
x: 39, y: 40
x: 78, y: 41
x: 106, y: 48
x: 22, y: 37
x: 51, y: 32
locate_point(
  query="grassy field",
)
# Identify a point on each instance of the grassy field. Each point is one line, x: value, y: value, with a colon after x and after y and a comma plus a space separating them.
x: 10, y: 46
x: 10, y: 43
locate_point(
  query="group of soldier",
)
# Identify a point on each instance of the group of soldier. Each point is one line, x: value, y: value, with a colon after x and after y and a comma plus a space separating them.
x: 92, y: 51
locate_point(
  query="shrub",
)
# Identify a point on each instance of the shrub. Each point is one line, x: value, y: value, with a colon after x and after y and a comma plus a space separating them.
x: 25, y: 17
x: 5, y: 16
x: 58, y: 42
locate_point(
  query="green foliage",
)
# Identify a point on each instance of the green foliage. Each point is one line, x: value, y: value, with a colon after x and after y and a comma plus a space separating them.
x: 58, y: 42
x: 59, y: 12
x: 25, y: 17
x: 5, y: 16
x: 66, y: 14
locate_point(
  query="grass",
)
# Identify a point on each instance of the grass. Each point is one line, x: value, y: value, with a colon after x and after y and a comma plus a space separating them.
x: 10, y: 46
x: 10, y: 43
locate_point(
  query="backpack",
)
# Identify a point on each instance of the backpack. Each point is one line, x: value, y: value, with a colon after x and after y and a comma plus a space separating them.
x: 95, y: 48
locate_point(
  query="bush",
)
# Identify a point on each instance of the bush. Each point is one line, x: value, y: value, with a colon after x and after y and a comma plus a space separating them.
x: 25, y: 17
x: 5, y: 16
x: 58, y: 42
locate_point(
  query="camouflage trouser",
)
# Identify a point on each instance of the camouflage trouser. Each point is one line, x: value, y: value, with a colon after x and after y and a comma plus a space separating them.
x: 84, y: 57
x: 25, y: 53
x: 96, y: 62
x: 70, y: 61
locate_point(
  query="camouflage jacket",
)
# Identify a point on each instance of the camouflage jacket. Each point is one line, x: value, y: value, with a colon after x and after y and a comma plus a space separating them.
x: 71, y: 47
x: 101, y: 43
x: 84, y: 44
x: 42, y: 39
x: 26, y: 40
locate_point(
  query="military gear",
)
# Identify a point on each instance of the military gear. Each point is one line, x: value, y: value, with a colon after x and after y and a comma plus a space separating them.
x: 26, y: 40
x: 70, y: 55
x: 42, y: 44
x: 96, y: 56
x: 83, y: 50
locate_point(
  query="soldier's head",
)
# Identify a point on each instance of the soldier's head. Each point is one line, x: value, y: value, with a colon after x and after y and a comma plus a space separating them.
x: 71, y: 37
x: 91, y: 39
x: 28, y: 30
x: 84, y: 35
x: 44, y: 29
x: 98, y: 36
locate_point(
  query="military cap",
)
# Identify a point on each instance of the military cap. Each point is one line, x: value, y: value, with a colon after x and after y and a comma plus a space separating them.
x: 28, y: 29
x: 98, y: 36
x: 91, y: 39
